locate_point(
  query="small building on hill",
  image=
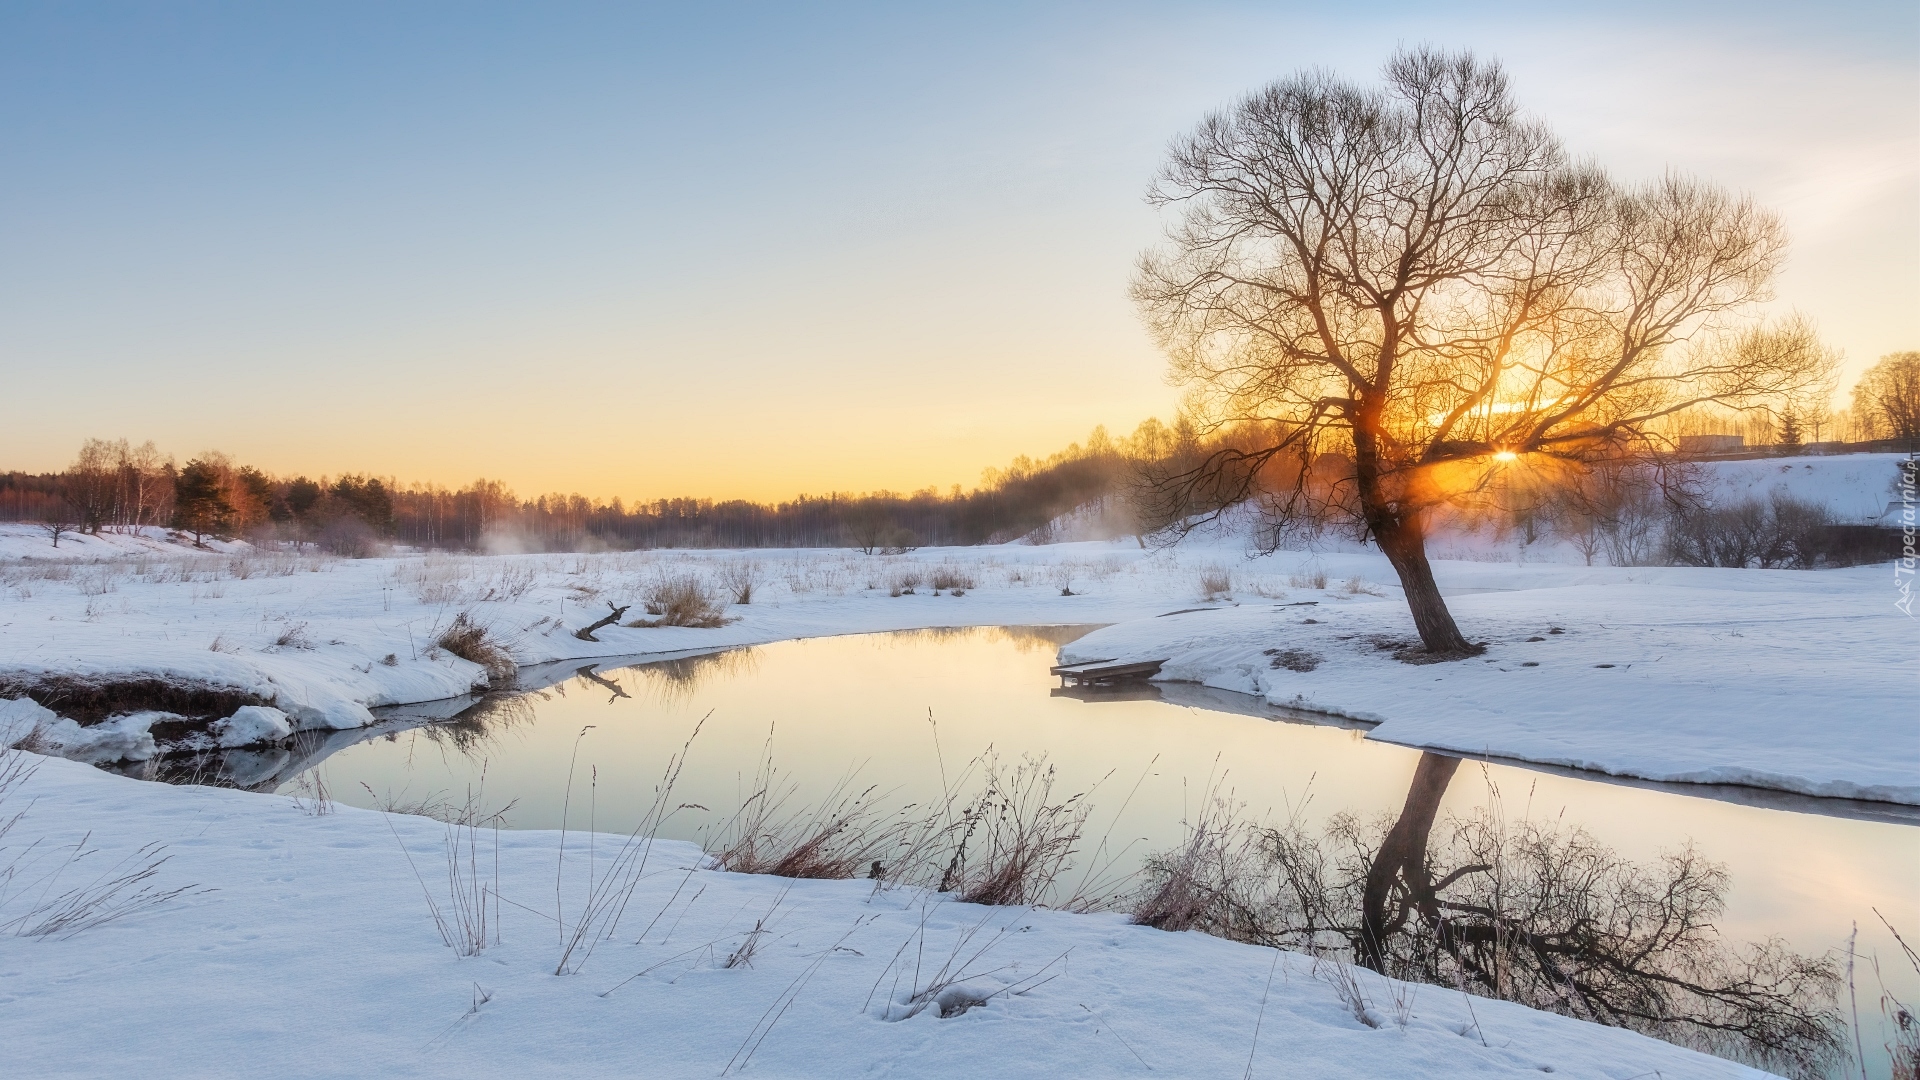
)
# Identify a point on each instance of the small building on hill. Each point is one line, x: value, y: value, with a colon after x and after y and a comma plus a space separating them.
x: 1712, y: 444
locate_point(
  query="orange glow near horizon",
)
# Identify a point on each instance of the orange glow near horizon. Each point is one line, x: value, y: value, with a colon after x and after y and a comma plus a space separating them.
x: 773, y: 458
x: 643, y: 253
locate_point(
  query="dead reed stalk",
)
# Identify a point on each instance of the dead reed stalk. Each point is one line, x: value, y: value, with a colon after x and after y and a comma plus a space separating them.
x: 610, y: 889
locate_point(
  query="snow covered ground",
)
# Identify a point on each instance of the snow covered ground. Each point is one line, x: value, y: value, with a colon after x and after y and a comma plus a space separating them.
x: 1801, y: 681
x: 305, y: 948
x: 29, y: 541
x: 1797, y: 680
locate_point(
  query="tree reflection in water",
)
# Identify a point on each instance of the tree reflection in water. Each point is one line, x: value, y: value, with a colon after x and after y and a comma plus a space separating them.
x: 1535, y: 912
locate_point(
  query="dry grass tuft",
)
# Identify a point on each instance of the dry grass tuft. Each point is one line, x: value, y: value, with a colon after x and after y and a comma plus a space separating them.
x: 295, y: 636
x: 839, y: 837
x: 468, y: 916
x: 1904, y: 1046
x: 471, y: 640
x: 904, y: 581
x: 1216, y: 582
x: 684, y: 599
x: 1308, y: 579
x: 1188, y: 886
x: 122, y: 889
x: 949, y: 577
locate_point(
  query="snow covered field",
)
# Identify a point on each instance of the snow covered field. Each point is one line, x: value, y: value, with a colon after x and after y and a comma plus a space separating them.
x: 306, y: 946
x: 1796, y: 680
x: 306, y: 949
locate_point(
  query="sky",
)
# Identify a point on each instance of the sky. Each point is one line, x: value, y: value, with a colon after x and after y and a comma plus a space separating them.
x: 753, y: 250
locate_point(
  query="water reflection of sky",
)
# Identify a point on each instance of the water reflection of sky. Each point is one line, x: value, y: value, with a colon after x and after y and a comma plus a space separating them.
x: 864, y: 701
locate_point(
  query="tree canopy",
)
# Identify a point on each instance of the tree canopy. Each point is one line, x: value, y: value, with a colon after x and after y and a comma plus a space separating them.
x: 1415, y: 284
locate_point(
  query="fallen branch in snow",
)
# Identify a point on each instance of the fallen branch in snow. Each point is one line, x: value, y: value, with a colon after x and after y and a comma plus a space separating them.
x: 585, y: 633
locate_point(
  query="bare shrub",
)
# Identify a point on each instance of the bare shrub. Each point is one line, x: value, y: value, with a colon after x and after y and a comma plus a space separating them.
x: 348, y: 537
x: 1187, y: 885
x: 1782, y: 532
x: 1736, y: 535
x: 683, y: 599
x: 469, y: 639
x: 1216, y: 582
x: 1617, y: 509
x: 740, y: 577
x: 1015, y: 838
x: 1308, y: 579
x: 57, y: 526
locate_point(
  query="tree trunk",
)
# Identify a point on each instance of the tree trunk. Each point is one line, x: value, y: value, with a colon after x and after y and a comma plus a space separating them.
x: 1394, y: 517
x: 1404, y: 543
x: 1403, y: 855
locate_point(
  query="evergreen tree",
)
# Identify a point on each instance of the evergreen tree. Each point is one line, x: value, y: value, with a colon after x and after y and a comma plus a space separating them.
x: 1790, y: 436
x: 199, y: 504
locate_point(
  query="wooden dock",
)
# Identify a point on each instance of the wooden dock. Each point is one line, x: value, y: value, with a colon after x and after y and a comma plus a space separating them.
x: 1105, y: 672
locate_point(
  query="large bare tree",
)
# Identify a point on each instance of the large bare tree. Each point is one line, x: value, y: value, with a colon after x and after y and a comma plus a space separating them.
x: 1420, y: 287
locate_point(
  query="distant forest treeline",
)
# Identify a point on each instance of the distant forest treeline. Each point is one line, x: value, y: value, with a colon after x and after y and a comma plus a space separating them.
x: 114, y: 485
x: 1112, y: 486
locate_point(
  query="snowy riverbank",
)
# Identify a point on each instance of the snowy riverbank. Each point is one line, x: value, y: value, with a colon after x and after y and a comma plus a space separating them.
x: 1800, y: 681
x: 1784, y: 679
x: 1797, y: 680
x: 306, y: 949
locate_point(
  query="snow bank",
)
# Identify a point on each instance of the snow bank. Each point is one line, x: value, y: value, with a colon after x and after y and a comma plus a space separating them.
x: 25, y: 540
x: 251, y: 725
x: 306, y: 949
x: 1798, y: 680
x: 1858, y: 488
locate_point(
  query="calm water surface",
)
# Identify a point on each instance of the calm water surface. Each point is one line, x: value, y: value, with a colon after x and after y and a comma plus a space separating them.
x: 901, y: 707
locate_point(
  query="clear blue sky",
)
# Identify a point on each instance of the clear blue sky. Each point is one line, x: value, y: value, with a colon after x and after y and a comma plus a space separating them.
x: 759, y: 249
